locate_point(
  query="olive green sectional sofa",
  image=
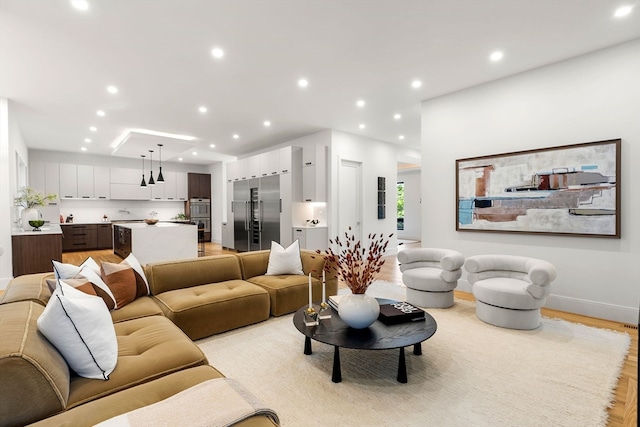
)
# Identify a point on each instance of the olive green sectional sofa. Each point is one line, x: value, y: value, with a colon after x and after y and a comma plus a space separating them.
x: 156, y: 355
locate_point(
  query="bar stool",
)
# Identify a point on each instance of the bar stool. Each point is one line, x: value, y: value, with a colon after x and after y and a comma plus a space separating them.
x: 201, y: 239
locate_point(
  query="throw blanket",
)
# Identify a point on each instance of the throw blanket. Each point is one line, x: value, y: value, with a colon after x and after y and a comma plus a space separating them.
x: 213, y: 403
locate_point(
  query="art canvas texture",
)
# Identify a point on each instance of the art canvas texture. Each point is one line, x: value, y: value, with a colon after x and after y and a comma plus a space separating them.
x: 567, y: 190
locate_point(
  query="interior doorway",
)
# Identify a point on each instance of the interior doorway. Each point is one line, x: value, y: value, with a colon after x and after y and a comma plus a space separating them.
x: 350, y: 198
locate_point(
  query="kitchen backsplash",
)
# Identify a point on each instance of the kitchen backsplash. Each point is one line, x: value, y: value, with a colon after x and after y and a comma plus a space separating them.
x: 93, y: 210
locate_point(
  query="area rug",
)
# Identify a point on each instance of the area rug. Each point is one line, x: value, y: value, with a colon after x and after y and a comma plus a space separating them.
x: 470, y: 373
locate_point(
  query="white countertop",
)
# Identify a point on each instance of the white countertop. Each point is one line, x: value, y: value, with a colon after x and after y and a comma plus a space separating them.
x: 309, y: 226
x: 45, y: 229
x: 135, y: 225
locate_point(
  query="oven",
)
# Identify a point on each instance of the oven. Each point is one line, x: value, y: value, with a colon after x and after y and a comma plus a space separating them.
x: 200, y: 208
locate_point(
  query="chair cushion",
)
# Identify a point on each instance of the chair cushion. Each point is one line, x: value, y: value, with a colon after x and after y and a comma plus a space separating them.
x: 506, y: 292
x: 429, y: 279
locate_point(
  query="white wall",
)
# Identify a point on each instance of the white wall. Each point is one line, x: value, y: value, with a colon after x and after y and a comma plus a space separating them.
x: 11, y: 145
x: 589, y: 98
x: 378, y: 159
x: 412, y: 204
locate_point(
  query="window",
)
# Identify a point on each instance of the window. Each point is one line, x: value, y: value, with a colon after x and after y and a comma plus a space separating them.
x: 400, y: 214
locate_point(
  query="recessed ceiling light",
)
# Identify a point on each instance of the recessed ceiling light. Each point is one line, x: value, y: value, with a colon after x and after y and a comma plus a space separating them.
x: 112, y: 89
x: 212, y: 145
x: 397, y: 116
x: 267, y: 123
x: 195, y: 153
x: 623, y: 11
x: 100, y: 113
x: 217, y: 52
x: 93, y: 129
x: 87, y: 140
x: 236, y: 136
x: 180, y: 159
x: 362, y: 126
x: 400, y: 136
x: 202, y: 109
x: 80, y: 4
x: 303, y: 83
x: 416, y: 84
x: 83, y: 148
x: 496, y: 56
x: 360, y: 103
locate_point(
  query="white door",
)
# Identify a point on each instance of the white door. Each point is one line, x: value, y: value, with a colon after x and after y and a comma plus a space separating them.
x: 350, y: 199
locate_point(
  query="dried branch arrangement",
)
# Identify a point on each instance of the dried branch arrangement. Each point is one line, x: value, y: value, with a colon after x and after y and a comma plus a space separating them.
x: 354, y: 264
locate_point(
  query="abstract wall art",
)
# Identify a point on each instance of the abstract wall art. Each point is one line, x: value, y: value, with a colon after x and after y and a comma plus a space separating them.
x: 567, y: 190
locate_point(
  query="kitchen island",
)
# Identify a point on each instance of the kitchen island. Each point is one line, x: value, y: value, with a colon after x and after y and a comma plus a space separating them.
x: 164, y: 241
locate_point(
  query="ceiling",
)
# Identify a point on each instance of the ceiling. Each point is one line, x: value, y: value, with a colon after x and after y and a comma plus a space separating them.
x: 56, y: 63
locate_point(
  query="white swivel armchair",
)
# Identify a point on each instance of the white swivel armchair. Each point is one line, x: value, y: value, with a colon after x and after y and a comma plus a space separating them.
x: 430, y: 275
x: 509, y: 290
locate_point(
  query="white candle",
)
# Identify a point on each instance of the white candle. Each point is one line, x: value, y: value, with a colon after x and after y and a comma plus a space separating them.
x: 324, y: 296
x: 310, y: 291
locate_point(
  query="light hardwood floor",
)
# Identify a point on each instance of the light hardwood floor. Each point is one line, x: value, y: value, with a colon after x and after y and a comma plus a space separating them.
x: 623, y: 413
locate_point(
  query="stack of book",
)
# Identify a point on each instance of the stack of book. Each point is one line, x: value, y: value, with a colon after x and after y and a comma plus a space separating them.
x: 333, y: 301
x: 400, y: 312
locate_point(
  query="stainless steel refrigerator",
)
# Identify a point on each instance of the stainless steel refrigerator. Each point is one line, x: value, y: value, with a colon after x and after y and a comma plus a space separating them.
x: 256, y: 211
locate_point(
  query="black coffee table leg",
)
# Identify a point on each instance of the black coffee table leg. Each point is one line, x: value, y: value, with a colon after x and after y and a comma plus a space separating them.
x: 402, y: 368
x: 307, y: 345
x: 336, y: 377
x: 417, y: 349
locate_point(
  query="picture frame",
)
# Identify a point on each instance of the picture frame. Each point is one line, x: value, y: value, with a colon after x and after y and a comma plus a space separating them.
x: 569, y: 190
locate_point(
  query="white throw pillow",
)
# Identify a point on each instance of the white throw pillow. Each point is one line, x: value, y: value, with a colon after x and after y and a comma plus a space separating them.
x: 69, y: 271
x: 80, y: 328
x: 284, y: 261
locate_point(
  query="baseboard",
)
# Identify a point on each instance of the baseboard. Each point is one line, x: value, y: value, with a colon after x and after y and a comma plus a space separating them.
x: 600, y: 310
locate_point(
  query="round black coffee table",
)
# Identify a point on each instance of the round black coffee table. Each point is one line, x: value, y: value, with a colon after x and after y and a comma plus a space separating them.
x: 378, y: 336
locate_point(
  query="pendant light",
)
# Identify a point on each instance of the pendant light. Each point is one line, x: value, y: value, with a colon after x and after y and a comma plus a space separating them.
x: 160, y: 179
x: 143, y: 183
x: 151, y: 181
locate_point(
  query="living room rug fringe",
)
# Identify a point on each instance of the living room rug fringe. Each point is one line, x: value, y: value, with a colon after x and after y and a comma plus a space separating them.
x: 470, y: 373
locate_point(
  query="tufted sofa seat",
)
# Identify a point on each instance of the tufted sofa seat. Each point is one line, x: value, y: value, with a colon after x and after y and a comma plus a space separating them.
x: 509, y: 289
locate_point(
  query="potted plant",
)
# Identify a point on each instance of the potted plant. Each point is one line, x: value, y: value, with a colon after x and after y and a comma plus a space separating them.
x: 30, y: 199
x: 357, y: 266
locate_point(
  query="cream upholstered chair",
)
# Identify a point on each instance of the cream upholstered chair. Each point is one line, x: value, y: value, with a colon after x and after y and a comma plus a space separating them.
x: 509, y: 289
x: 430, y: 275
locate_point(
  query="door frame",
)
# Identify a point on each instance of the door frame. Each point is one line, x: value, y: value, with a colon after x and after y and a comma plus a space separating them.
x: 357, y: 165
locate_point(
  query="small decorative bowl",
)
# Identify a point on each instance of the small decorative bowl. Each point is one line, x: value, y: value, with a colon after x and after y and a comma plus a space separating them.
x: 151, y: 221
x: 36, y: 224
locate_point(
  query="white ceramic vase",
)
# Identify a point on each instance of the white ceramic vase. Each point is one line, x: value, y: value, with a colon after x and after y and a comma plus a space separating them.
x: 29, y: 214
x: 359, y: 311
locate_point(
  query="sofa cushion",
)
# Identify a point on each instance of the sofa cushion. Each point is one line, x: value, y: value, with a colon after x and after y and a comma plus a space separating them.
x: 209, y: 309
x: 288, y: 292
x: 34, y: 377
x: 80, y: 327
x: 148, y: 348
x: 29, y: 287
x: 172, y: 275
x: 284, y: 261
x: 132, y: 398
x: 140, y: 307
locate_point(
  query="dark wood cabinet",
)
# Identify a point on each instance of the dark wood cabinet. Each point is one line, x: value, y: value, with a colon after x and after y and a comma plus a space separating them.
x: 79, y: 237
x: 104, y: 236
x: 199, y: 185
x: 33, y: 253
x: 121, y: 241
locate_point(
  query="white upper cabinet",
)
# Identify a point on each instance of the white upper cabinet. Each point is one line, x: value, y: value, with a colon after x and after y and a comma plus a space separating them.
x: 45, y: 177
x: 68, y: 181
x: 182, y: 186
x: 253, y: 167
x: 101, y: 182
x: 270, y: 163
x: 85, y: 181
x: 314, y: 174
x: 284, y: 156
x: 232, y: 171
